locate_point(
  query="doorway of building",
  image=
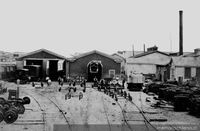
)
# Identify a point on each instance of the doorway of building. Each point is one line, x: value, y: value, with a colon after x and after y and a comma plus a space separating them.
x: 94, y: 69
x: 53, y: 69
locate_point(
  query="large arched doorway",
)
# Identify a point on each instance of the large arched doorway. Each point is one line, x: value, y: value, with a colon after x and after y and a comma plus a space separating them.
x: 94, y: 69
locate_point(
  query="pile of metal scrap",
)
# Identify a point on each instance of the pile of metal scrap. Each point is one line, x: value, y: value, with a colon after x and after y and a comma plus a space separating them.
x: 9, y: 109
x: 184, y: 98
x: 156, y: 87
x: 168, y: 93
x: 194, y: 102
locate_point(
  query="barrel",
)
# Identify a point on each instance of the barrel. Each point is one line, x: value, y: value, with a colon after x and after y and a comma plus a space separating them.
x: 180, y: 103
x: 194, y: 105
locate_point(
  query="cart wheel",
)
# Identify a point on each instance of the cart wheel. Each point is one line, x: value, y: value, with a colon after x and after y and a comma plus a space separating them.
x: 2, y: 100
x: 27, y: 100
x: 21, y: 109
x: 10, y: 116
x: 6, y: 106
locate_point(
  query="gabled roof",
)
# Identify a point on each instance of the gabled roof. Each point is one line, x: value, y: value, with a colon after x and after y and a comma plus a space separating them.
x: 118, y: 56
x: 127, y: 54
x: 97, y: 52
x: 150, y: 59
x: 147, y: 53
x: 42, y: 50
x: 191, y: 55
x: 186, y: 61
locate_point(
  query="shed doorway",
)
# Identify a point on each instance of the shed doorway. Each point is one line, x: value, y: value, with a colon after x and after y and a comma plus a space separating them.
x: 53, y: 69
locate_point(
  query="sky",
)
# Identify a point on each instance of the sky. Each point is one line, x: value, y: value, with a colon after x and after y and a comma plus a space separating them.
x: 69, y: 26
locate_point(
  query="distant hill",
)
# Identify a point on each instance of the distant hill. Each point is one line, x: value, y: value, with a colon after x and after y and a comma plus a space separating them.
x: 9, y: 56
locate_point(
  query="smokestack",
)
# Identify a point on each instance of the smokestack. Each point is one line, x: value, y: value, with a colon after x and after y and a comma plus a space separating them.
x: 180, y: 32
x: 144, y: 47
x: 133, y: 50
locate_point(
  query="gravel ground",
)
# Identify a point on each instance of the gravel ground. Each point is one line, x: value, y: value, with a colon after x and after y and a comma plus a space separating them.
x: 94, y: 108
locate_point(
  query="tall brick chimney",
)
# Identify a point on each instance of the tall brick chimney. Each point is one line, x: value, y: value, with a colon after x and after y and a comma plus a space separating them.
x: 180, y: 32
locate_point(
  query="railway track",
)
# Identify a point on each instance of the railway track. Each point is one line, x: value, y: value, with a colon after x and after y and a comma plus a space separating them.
x: 58, y: 107
x: 87, y: 110
x: 142, y: 112
x: 72, y: 121
x: 147, y: 122
x: 44, y: 112
x: 124, y: 114
x: 108, y: 121
x: 34, y: 122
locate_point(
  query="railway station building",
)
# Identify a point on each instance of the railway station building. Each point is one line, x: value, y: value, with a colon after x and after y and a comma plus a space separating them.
x: 153, y: 64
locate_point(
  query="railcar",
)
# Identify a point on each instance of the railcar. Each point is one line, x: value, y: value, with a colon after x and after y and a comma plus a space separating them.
x: 28, y: 73
x: 135, y: 82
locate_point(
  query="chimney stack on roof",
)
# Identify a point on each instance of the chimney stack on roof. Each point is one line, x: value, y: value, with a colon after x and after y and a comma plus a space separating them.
x: 180, y: 32
x: 197, y: 51
x: 154, y: 48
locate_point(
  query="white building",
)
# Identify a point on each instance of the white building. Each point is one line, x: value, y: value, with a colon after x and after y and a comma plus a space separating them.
x: 152, y: 62
x: 186, y: 67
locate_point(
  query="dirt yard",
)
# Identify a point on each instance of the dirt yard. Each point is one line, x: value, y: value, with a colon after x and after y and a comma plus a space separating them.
x: 50, y: 107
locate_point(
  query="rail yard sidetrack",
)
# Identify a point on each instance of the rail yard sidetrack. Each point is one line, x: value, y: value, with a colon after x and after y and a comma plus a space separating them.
x: 50, y: 108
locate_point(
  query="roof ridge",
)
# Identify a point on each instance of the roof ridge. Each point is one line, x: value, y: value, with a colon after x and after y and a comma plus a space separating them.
x: 43, y: 49
x: 98, y: 52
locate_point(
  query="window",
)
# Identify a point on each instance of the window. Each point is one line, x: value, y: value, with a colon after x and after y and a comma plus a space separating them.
x: 8, y: 69
x: 4, y: 69
x: 187, y: 72
x: 1, y: 69
x: 112, y: 73
x: 198, y: 72
x: 11, y: 68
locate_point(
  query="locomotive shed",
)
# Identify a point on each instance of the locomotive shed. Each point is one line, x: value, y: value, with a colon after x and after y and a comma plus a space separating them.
x: 48, y: 62
x: 54, y: 65
x: 107, y: 65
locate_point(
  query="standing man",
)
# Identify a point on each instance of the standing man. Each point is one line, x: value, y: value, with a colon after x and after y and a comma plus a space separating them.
x: 95, y: 81
x: 123, y: 82
x: 59, y: 80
